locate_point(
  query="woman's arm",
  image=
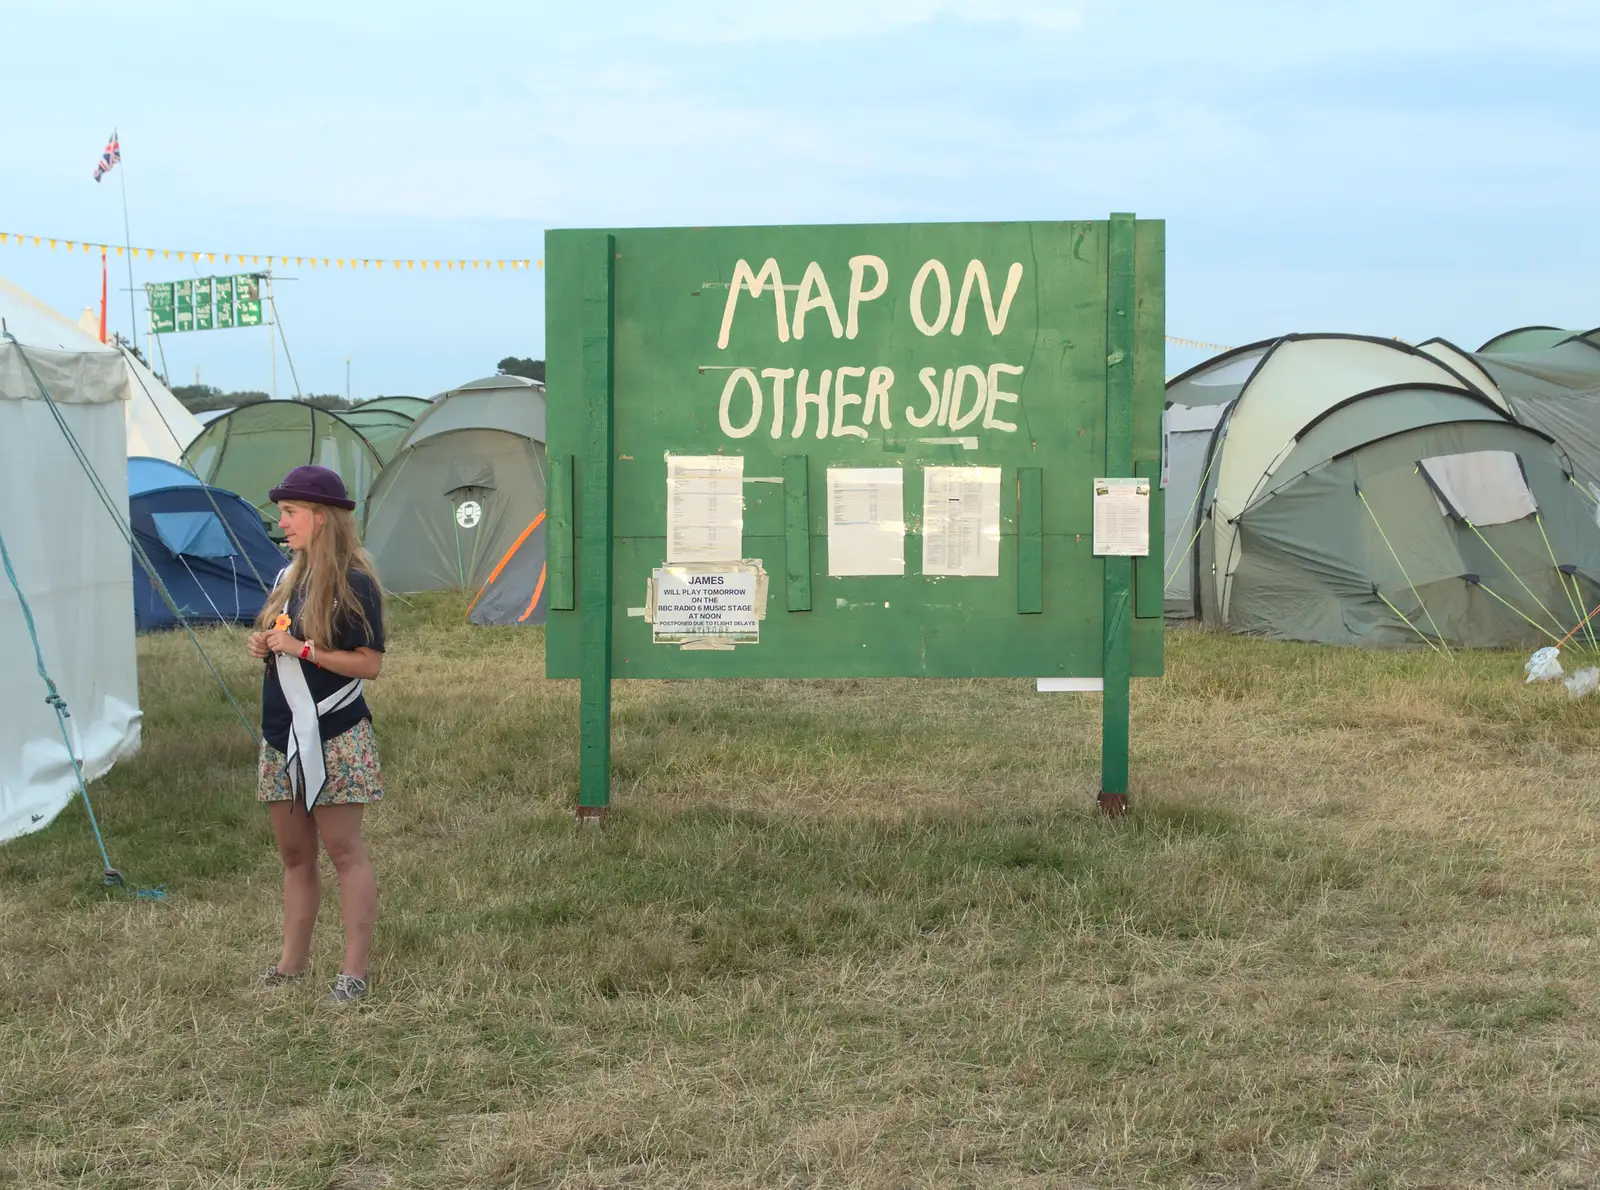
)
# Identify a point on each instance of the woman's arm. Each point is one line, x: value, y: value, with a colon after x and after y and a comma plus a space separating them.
x: 362, y: 663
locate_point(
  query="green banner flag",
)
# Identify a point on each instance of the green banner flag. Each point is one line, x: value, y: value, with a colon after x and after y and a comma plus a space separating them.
x: 247, y: 299
x: 202, y: 304
x: 222, y: 303
x: 183, y: 304
x: 162, y: 316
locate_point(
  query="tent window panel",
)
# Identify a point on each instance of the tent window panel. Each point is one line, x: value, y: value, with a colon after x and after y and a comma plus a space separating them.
x: 195, y: 534
x: 1486, y: 487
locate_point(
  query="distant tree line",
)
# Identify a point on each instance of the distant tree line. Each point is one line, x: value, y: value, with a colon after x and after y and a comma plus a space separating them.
x: 199, y: 398
x: 514, y: 365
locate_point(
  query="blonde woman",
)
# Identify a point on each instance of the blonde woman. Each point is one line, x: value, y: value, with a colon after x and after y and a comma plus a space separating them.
x: 321, y: 635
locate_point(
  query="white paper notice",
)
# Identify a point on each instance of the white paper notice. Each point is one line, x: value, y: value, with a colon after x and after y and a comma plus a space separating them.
x: 1122, y: 517
x: 690, y: 604
x: 866, y: 521
x: 961, y: 520
x: 705, y: 508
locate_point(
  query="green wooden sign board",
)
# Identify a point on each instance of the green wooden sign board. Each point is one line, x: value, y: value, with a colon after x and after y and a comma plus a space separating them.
x: 855, y: 451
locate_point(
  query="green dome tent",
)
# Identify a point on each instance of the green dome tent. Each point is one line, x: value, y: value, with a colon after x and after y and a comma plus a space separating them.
x: 249, y: 449
x: 462, y: 491
x: 1360, y: 491
x: 384, y: 422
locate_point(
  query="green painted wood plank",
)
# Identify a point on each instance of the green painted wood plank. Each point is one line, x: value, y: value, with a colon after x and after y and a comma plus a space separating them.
x: 559, y: 539
x: 1030, y: 540
x: 1118, y: 573
x: 594, y: 393
x: 797, y: 532
x: 1149, y: 583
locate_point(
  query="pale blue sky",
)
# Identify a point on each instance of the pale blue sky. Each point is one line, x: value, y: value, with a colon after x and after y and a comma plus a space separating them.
x: 1405, y: 168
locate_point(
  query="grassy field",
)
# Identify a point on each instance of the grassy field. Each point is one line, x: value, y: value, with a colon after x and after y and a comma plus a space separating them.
x: 840, y: 934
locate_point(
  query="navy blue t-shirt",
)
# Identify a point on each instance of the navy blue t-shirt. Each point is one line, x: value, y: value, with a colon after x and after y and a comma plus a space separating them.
x: 347, y: 634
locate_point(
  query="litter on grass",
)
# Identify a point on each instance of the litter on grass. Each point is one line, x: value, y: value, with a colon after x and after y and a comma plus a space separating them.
x: 1544, y: 665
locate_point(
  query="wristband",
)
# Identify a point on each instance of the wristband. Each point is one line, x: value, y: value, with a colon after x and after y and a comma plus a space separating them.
x: 305, y: 650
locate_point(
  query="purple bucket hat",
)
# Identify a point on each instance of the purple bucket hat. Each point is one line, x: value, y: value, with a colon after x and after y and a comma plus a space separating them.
x: 312, y: 485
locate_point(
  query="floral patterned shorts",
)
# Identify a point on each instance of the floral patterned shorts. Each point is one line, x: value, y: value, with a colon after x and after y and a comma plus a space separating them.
x: 352, y: 763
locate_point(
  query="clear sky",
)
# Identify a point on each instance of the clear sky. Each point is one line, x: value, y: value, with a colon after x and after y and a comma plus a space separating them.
x: 1406, y: 168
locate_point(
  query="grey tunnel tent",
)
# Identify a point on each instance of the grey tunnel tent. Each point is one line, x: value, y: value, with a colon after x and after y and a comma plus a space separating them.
x: 464, y: 486
x: 1550, y: 381
x: 1318, y: 505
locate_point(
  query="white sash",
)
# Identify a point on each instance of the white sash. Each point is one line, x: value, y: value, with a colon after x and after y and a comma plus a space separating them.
x: 307, y: 770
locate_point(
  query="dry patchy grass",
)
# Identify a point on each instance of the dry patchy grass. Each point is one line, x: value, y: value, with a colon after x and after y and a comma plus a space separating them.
x: 853, y: 934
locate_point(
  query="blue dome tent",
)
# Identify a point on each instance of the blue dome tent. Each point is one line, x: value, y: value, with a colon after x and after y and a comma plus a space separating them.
x: 208, y: 545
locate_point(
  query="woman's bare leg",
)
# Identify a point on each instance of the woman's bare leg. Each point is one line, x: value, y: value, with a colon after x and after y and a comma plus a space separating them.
x: 340, y: 828
x: 302, y: 888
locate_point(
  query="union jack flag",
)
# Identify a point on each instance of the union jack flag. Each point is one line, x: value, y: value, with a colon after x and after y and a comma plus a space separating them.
x: 110, y: 157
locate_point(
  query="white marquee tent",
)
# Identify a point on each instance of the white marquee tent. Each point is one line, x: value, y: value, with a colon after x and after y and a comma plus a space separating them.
x: 70, y: 561
x: 158, y: 424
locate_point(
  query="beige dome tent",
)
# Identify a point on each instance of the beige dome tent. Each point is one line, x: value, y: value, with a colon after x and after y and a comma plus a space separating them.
x: 465, y: 486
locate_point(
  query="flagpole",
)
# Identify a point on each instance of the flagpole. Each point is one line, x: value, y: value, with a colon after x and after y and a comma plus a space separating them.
x: 127, y: 240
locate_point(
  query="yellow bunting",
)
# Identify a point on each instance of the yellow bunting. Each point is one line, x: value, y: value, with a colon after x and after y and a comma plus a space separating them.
x: 211, y: 258
x: 397, y: 266
x: 341, y: 264
x: 410, y: 264
x: 380, y: 264
x: 35, y: 241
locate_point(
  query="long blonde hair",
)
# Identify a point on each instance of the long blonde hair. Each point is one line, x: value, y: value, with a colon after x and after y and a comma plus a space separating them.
x: 322, y: 570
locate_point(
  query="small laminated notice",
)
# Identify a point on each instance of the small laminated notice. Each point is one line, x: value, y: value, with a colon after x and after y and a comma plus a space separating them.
x: 961, y: 520
x: 1122, y: 517
x: 705, y: 508
x: 866, y: 521
x: 707, y: 606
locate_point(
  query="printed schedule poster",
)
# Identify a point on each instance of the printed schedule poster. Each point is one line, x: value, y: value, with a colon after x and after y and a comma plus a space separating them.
x: 961, y: 521
x: 866, y: 521
x: 705, y: 508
